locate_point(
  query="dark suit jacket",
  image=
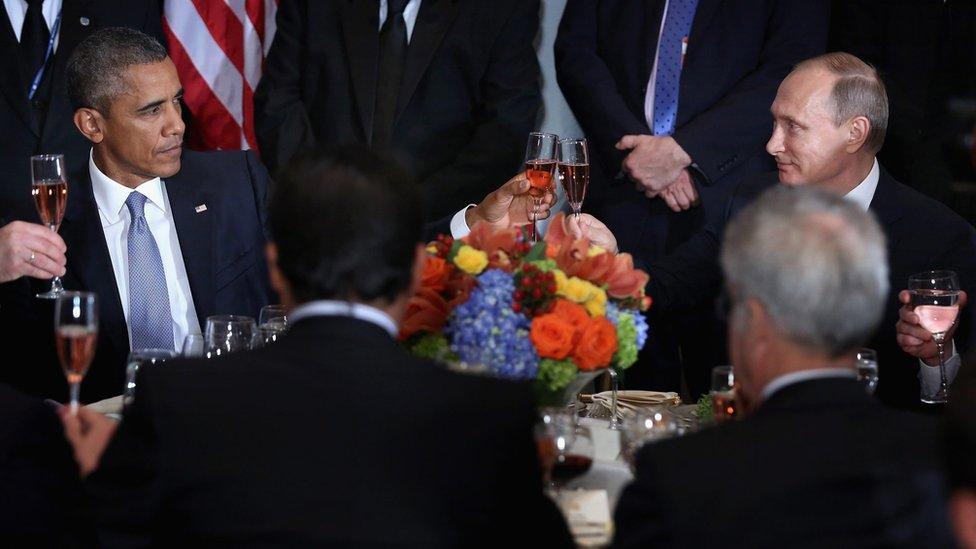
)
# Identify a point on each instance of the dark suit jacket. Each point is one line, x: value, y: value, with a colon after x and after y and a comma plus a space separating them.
x: 223, y: 250
x: 469, y: 96
x: 817, y: 465
x: 41, y: 501
x: 738, y: 52
x: 922, y: 235
x: 334, y: 436
x: 23, y: 134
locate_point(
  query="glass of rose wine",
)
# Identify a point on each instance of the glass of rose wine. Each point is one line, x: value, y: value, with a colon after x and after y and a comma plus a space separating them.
x: 49, y: 188
x: 75, y: 334
x: 934, y: 298
x: 540, y: 167
x: 574, y: 171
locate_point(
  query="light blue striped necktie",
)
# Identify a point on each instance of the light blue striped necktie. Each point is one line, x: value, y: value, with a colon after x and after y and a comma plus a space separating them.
x: 677, y: 26
x: 150, y: 319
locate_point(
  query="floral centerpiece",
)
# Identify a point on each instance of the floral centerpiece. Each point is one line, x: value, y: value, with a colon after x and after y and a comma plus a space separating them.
x: 559, y: 312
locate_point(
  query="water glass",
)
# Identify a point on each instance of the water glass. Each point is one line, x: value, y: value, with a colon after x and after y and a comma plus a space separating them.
x: 137, y: 360
x: 225, y: 334
x: 867, y: 369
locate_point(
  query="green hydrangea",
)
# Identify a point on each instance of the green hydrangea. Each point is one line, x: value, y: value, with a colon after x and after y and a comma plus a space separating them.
x: 433, y: 347
x: 556, y: 375
x: 545, y: 265
x: 626, y: 354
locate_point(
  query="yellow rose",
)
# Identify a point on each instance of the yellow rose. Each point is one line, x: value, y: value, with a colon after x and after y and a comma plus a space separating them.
x: 470, y: 260
x: 595, y: 251
x: 431, y: 249
x: 576, y: 290
x: 597, y: 305
x: 561, y: 281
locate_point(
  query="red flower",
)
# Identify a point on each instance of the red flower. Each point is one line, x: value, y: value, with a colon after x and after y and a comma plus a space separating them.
x: 426, y: 312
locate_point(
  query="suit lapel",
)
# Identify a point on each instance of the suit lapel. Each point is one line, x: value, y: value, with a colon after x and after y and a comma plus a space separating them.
x: 14, y: 81
x: 434, y: 19
x: 195, y: 230
x: 89, y: 261
x: 72, y: 33
x: 359, y: 21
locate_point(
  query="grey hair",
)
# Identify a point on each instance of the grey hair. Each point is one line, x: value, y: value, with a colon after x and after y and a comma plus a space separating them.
x: 815, y: 261
x: 858, y: 91
x: 96, y: 68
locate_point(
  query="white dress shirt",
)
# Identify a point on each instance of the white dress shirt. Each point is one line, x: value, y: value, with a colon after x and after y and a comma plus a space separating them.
x: 928, y: 376
x: 325, y: 307
x: 804, y: 375
x: 17, y: 12
x: 110, y: 198
x: 649, y: 96
x: 409, y: 15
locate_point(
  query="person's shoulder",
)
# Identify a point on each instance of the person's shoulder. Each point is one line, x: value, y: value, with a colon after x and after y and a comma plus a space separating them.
x: 925, y: 211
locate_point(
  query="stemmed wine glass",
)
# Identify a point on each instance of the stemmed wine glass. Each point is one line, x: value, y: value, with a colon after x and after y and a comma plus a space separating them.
x: 540, y: 166
x: 229, y: 334
x: 138, y: 359
x: 934, y: 298
x: 75, y: 334
x: 565, y: 448
x: 49, y: 188
x: 574, y: 171
x: 615, y: 422
x: 272, y: 324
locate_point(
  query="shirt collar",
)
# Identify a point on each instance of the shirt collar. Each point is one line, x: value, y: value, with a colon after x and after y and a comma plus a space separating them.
x: 359, y: 311
x: 110, y: 196
x: 864, y: 192
x: 804, y: 375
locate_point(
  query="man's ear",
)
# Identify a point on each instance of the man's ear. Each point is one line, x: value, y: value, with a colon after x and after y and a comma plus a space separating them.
x: 860, y: 127
x: 90, y: 123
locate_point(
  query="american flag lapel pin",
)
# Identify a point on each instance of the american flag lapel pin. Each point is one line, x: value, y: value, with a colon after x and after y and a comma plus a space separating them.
x: 201, y: 208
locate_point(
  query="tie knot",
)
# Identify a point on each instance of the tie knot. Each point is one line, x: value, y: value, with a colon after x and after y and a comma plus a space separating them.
x: 136, y: 204
x: 396, y: 7
x: 34, y: 3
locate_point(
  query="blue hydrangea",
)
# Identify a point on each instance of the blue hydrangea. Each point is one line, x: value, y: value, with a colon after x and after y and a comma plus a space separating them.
x: 485, y: 330
x: 640, y: 321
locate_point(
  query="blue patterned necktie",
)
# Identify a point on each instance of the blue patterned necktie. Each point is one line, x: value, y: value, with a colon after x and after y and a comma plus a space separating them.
x: 150, y: 319
x: 677, y: 26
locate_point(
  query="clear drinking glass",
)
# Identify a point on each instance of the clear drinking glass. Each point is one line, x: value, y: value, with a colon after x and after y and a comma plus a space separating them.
x: 723, y: 393
x: 75, y: 334
x: 934, y: 298
x: 193, y: 346
x: 137, y: 360
x: 647, y: 425
x: 615, y: 422
x: 540, y: 167
x: 574, y: 171
x: 226, y: 334
x: 49, y: 188
x: 274, y: 315
x: 867, y: 369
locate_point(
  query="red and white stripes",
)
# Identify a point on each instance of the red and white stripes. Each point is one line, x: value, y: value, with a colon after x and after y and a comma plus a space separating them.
x: 219, y: 48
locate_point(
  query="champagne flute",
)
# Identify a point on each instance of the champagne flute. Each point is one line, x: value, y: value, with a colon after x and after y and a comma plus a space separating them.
x: 934, y: 298
x: 76, y: 332
x: 540, y: 166
x: 723, y: 393
x: 49, y: 188
x: 574, y: 171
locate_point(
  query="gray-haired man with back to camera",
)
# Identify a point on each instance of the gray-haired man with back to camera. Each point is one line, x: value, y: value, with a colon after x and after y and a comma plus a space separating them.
x: 820, y: 462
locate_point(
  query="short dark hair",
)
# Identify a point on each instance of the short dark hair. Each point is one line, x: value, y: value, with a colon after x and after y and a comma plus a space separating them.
x: 96, y: 68
x: 346, y: 223
x: 959, y: 430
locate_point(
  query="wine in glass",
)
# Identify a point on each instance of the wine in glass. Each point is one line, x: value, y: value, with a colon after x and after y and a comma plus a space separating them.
x: 540, y: 167
x: 867, y: 369
x: 75, y: 334
x: 574, y: 171
x: 934, y: 298
x: 49, y: 188
x: 723, y: 393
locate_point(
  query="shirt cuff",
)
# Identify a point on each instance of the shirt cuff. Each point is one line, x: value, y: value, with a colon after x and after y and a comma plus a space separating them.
x: 929, y: 377
x: 459, y: 225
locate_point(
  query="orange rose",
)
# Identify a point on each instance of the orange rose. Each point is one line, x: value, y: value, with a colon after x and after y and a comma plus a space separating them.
x: 596, y: 345
x: 575, y: 314
x: 552, y: 336
x: 436, y: 273
x: 426, y: 312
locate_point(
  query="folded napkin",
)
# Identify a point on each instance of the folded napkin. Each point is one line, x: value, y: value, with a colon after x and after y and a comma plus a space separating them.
x: 111, y: 407
x: 630, y: 401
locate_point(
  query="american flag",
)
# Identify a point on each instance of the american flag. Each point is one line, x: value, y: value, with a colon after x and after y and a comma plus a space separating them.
x: 219, y: 48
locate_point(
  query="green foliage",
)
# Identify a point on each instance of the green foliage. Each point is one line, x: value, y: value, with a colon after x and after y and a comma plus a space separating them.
x: 537, y: 253
x: 545, y: 265
x: 433, y: 347
x: 556, y: 375
x: 704, y: 410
